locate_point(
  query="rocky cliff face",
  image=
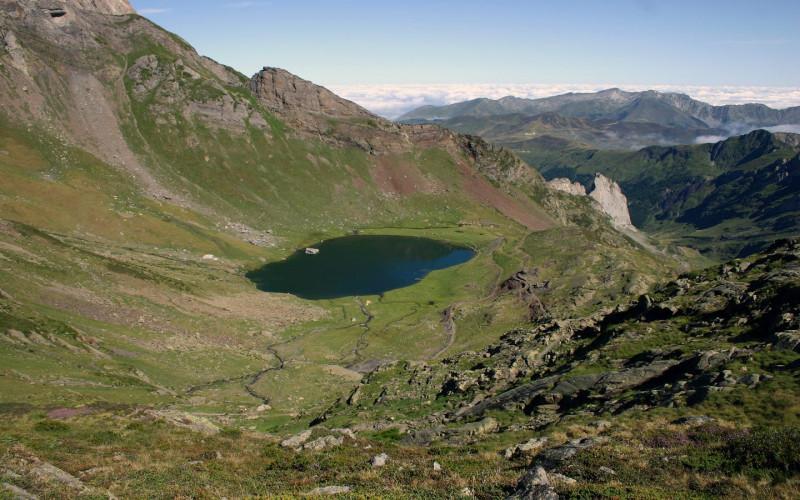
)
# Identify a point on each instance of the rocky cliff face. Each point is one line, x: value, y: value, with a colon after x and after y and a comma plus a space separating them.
x: 68, y: 62
x: 86, y: 90
x: 316, y: 114
x: 62, y: 8
x: 284, y: 93
x: 113, y: 7
x: 609, y: 195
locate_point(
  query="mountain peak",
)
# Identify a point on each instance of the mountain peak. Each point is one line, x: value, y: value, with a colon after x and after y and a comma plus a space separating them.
x: 60, y: 7
x: 284, y: 93
x: 113, y: 7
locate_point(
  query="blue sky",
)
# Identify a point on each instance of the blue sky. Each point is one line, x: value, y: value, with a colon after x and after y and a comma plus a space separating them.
x: 345, y: 43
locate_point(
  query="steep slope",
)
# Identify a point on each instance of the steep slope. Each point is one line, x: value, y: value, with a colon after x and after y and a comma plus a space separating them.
x: 676, y: 332
x: 189, y: 131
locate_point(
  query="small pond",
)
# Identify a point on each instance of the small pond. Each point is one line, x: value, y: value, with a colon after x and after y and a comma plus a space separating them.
x: 358, y: 265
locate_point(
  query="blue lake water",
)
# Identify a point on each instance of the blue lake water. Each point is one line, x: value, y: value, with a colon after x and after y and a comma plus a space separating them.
x: 358, y: 265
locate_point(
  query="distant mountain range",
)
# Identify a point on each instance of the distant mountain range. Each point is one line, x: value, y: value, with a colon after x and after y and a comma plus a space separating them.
x: 609, y: 119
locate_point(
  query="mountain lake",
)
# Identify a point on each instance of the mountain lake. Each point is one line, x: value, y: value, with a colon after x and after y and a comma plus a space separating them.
x: 357, y: 265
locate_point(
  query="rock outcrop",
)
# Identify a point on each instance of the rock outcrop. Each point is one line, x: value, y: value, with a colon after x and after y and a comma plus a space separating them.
x: 523, y: 283
x: 60, y: 8
x: 534, y: 485
x: 690, y: 324
x: 609, y: 195
x: 112, y: 7
x: 567, y: 186
x: 282, y: 93
x: 314, y: 113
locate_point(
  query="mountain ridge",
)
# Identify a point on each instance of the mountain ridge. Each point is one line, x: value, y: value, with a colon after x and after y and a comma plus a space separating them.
x: 614, y: 100
x: 610, y: 119
x: 63, y: 8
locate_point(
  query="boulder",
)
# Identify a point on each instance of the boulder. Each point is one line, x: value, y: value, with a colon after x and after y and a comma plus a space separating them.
x: 423, y: 437
x: 694, y: 420
x: 50, y: 472
x: 555, y: 457
x: 19, y: 493
x: 323, y: 443
x: 485, y: 426
x: 379, y: 460
x: 788, y: 340
x: 562, y: 478
x: 606, y: 471
x: 527, y: 448
x: 297, y: 440
x: 187, y: 420
x: 534, y: 485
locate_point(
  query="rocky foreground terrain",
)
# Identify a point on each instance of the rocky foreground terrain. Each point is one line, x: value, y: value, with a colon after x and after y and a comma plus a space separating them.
x: 689, y: 390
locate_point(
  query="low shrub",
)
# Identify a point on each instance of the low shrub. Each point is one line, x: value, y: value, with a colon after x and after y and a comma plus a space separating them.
x: 773, y: 452
x: 49, y: 425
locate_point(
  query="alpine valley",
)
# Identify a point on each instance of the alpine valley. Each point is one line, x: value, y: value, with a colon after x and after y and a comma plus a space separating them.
x: 583, y: 352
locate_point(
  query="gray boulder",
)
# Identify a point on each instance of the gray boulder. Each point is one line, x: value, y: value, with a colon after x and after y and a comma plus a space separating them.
x: 379, y: 460
x: 534, y: 485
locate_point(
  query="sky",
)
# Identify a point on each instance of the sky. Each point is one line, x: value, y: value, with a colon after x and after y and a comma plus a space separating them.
x: 393, y: 55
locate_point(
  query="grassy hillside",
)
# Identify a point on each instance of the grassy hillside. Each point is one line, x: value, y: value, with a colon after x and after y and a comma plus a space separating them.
x: 128, y: 158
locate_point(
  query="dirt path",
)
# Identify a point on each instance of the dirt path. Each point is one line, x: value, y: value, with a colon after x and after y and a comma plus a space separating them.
x: 271, y: 348
x: 448, y: 316
x: 362, y: 344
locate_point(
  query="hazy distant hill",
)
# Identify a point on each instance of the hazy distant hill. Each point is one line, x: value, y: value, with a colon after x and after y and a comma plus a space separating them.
x: 610, y: 118
x: 601, y: 133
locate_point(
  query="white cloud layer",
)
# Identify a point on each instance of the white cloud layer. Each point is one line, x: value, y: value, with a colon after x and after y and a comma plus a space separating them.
x: 709, y: 139
x: 392, y: 101
x: 145, y: 12
x: 792, y: 129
